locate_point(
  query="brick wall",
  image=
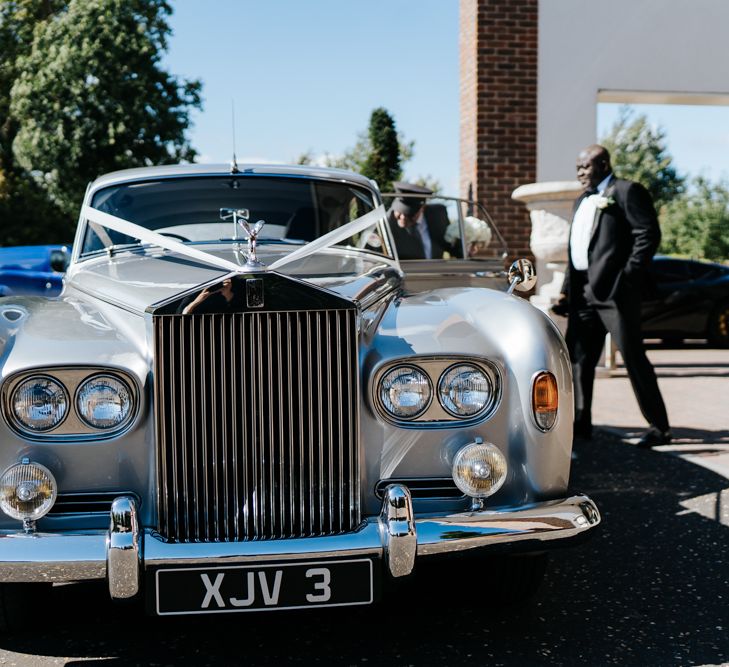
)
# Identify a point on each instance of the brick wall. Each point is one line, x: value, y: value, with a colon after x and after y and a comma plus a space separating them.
x: 498, y: 89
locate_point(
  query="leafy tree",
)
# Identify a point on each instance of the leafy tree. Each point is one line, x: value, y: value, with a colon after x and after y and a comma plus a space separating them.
x: 378, y: 153
x: 639, y: 153
x: 697, y: 223
x: 26, y: 213
x: 383, y: 162
x: 17, y: 22
x: 90, y: 96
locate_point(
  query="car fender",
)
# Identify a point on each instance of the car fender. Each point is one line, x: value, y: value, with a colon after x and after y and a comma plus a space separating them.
x: 40, y: 333
x: 503, y: 329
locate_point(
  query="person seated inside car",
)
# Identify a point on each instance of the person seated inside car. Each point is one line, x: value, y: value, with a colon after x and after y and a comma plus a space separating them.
x: 418, y: 227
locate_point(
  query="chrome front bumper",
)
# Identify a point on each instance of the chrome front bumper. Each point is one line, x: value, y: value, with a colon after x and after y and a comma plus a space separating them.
x: 122, y: 553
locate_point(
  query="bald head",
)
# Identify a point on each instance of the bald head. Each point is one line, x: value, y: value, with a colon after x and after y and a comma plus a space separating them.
x: 593, y: 166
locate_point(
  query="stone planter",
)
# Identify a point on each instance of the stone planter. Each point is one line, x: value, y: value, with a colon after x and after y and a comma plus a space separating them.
x: 550, y: 208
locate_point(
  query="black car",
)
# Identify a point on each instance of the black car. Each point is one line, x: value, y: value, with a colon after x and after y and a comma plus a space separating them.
x: 687, y: 299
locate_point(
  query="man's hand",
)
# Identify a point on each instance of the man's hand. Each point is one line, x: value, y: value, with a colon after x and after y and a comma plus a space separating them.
x: 561, y: 307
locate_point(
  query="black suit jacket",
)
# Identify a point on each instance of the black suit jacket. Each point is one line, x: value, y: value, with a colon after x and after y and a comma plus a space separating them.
x: 411, y: 247
x: 625, y: 236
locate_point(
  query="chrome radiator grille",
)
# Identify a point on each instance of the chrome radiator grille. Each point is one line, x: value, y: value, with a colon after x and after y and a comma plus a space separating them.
x: 256, y: 425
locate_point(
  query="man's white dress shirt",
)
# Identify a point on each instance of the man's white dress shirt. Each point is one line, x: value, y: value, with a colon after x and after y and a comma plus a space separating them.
x: 581, y: 231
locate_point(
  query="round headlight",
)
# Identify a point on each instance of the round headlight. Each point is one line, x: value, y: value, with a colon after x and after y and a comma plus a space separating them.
x: 27, y: 491
x: 479, y: 469
x: 104, y: 401
x: 39, y: 403
x: 465, y: 390
x: 405, y: 392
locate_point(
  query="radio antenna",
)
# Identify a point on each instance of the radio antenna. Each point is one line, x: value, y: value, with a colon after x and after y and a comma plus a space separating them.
x: 233, y: 164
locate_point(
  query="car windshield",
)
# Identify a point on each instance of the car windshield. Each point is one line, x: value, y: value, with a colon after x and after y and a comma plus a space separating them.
x: 193, y: 209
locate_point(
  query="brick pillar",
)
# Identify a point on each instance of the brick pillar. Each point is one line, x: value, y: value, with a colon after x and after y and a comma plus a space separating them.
x: 498, y: 81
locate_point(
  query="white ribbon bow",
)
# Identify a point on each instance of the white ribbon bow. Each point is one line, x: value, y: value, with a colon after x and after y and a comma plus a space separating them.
x: 145, y: 235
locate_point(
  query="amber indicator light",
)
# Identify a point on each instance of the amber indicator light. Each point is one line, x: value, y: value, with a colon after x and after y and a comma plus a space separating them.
x: 544, y: 394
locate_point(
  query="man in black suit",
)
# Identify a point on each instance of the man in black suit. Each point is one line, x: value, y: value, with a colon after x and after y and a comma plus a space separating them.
x: 613, y: 237
x: 419, y: 228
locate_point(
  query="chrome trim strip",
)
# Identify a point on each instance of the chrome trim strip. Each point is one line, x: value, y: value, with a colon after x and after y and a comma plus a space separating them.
x: 340, y: 434
x: 195, y: 418
x: 263, y: 433
x: 309, y: 419
x: 290, y: 429
x: 49, y: 557
x: 281, y: 444
x: 302, y: 435
x: 366, y: 541
x: 330, y: 425
x: 398, y: 530
x: 105, y: 299
x: 353, y: 394
x: 78, y: 556
x: 542, y: 522
x: 320, y: 416
x: 239, y: 480
x: 123, y: 549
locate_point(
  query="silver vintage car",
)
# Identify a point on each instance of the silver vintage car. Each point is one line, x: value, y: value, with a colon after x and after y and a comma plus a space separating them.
x: 242, y: 400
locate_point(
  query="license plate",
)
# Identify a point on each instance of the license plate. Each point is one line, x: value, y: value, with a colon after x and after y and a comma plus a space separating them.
x: 263, y: 587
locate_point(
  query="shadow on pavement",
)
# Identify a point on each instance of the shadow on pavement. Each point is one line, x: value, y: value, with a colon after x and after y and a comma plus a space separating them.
x: 681, y: 435
x: 650, y: 588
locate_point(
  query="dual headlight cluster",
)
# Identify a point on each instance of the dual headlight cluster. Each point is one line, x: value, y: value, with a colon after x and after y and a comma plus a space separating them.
x: 463, y: 391
x: 42, y: 403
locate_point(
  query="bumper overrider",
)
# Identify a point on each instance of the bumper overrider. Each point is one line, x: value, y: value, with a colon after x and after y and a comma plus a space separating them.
x: 126, y: 553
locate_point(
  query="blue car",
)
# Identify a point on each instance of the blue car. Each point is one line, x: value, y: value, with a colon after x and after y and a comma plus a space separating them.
x: 33, y: 270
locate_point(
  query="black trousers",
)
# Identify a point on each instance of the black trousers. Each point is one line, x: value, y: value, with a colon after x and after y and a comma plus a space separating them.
x: 588, y: 322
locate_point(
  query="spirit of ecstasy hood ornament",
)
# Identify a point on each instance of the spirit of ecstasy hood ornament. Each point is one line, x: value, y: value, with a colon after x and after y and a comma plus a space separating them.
x: 240, y: 216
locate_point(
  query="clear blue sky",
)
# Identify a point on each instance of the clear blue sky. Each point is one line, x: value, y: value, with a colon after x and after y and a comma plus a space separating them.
x: 305, y: 75
x: 697, y: 136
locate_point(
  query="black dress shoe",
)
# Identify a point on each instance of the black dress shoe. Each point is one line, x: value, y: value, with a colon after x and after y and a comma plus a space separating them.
x: 653, y: 438
x: 582, y: 432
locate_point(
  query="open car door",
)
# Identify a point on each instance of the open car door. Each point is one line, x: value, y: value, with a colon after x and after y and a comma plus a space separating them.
x: 466, y: 247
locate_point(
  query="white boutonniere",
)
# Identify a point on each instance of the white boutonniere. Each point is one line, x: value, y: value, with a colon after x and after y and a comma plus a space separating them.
x: 602, y: 202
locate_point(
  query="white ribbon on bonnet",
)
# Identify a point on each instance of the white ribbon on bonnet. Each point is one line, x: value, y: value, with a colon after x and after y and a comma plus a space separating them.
x: 148, y: 236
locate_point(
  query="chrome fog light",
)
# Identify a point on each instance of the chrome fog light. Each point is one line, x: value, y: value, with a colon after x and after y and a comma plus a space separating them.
x: 27, y: 491
x: 465, y: 390
x: 104, y: 401
x: 479, y: 469
x: 405, y: 392
x: 39, y: 403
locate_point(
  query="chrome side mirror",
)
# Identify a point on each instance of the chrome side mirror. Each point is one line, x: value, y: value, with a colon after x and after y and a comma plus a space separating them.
x: 522, y: 276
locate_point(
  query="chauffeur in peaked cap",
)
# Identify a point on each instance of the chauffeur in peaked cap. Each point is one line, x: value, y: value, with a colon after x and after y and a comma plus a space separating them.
x: 418, y: 227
